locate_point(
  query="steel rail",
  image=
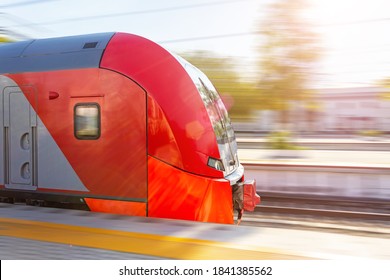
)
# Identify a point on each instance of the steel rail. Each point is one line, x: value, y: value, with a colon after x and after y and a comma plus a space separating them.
x: 328, y: 213
x: 352, y: 215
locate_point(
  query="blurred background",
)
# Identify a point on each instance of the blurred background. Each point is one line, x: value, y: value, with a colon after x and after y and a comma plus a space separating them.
x: 307, y: 87
x: 305, y: 66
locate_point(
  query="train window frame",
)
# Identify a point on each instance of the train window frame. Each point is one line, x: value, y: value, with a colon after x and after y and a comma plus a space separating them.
x: 96, y: 122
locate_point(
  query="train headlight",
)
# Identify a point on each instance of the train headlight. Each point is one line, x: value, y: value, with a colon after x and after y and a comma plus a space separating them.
x: 216, y: 164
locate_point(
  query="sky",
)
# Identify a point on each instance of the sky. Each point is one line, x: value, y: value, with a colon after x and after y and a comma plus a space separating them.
x: 353, y: 33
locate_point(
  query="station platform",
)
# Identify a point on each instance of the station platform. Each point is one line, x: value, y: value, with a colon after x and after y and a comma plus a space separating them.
x: 28, y: 232
x: 374, y: 159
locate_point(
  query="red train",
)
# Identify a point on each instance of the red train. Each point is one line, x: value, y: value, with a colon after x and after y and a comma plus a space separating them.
x: 115, y: 122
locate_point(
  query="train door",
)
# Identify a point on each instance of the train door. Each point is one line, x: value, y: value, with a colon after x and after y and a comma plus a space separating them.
x: 19, y: 121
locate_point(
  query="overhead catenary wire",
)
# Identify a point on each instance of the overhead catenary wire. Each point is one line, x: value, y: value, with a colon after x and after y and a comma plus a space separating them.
x: 139, y: 12
x: 24, y: 3
x: 21, y: 23
x: 168, y: 9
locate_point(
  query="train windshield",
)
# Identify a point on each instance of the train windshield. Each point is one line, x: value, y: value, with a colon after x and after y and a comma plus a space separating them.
x: 219, y: 118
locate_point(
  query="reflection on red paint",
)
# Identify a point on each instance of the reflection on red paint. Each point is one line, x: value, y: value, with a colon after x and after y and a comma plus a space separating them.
x: 116, y: 207
x: 176, y: 194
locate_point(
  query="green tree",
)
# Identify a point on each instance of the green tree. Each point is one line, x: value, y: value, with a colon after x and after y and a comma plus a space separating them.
x: 288, y: 54
x: 237, y: 95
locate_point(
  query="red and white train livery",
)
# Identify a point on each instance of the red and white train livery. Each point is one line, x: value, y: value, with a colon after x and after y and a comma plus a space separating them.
x: 117, y: 123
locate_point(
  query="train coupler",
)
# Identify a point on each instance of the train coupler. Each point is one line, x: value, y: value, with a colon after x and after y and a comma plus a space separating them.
x: 245, y: 198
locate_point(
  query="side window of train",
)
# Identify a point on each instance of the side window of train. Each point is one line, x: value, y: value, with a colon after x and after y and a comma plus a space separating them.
x: 87, y: 121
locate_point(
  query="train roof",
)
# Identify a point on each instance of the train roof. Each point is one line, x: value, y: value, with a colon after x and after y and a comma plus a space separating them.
x: 84, y: 51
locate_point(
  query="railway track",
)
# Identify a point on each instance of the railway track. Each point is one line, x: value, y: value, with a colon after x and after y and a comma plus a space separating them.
x: 320, y: 202
x: 329, y: 213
